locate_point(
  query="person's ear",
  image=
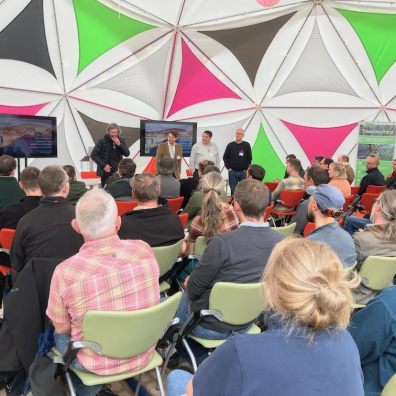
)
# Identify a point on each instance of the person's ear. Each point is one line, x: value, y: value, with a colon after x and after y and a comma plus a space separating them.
x: 75, y: 226
x: 118, y: 223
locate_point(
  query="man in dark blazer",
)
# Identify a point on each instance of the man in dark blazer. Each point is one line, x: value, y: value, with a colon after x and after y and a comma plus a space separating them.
x: 173, y: 150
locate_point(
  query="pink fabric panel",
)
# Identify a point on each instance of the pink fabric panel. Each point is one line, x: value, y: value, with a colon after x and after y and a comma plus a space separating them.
x: 197, y: 84
x: 22, y: 110
x: 319, y: 141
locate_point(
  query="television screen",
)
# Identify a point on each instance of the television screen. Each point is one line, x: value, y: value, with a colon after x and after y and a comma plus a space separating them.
x: 152, y: 133
x: 28, y: 136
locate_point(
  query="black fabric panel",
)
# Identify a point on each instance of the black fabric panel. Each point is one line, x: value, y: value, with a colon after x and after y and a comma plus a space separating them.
x: 250, y: 43
x: 24, y: 38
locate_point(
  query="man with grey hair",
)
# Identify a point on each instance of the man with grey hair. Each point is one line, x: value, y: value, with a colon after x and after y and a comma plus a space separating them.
x: 46, y: 231
x: 151, y: 222
x: 107, y: 274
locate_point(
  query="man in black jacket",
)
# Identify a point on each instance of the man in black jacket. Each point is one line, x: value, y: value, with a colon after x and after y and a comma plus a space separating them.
x: 374, y: 177
x: 108, y: 152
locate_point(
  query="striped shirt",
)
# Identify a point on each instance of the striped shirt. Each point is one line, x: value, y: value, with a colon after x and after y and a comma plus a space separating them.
x: 107, y: 275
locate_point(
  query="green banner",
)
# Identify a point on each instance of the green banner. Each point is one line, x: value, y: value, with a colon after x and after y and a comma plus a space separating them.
x: 375, y: 140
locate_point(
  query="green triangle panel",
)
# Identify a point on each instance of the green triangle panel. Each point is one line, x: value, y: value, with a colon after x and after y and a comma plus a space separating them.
x: 100, y: 29
x: 264, y: 154
x: 377, y: 32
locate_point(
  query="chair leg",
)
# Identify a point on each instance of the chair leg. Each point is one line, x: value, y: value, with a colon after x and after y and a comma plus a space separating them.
x: 190, y: 353
x: 70, y: 384
x: 159, y: 380
x: 168, y: 356
x: 137, y: 390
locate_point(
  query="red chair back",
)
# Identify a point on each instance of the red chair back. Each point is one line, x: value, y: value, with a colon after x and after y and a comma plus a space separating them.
x: 291, y: 198
x: 348, y: 201
x: 89, y: 175
x: 268, y: 211
x: 271, y: 185
x: 125, y: 206
x: 309, y: 227
x: 6, y: 237
x: 175, y: 203
x: 375, y: 189
x: 354, y: 190
x: 368, y: 200
x: 183, y: 219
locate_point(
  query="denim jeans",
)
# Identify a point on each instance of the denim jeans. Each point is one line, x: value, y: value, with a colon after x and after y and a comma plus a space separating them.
x: 234, y: 177
x: 61, y: 342
x: 177, y: 382
x: 353, y: 223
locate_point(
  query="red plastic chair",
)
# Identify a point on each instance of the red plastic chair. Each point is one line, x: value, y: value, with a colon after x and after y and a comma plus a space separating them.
x: 367, y: 201
x: 354, y: 190
x: 271, y: 185
x: 89, y: 175
x: 125, y: 206
x: 348, y: 201
x: 5, y: 270
x: 375, y: 189
x: 290, y: 198
x: 268, y: 211
x: 183, y: 219
x: 309, y: 227
x: 6, y: 238
x: 175, y: 204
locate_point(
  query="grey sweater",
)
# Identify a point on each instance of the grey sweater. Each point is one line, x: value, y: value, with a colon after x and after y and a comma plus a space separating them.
x: 238, y: 256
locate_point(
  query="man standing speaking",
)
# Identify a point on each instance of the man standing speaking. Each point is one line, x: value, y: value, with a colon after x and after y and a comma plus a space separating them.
x: 237, y: 158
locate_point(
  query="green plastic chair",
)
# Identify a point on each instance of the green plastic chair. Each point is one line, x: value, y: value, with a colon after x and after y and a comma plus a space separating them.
x: 286, y: 230
x: 200, y: 246
x: 124, y: 334
x: 166, y: 257
x: 390, y: 387
x: 377, y: 272
x: 232, y: 303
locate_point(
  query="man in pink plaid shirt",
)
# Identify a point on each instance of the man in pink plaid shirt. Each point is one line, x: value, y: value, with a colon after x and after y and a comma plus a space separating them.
x: 106, y: 274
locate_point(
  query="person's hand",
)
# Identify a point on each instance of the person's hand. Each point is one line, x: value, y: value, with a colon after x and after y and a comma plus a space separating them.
x: 115, y: 140
x: 107, y: 168
x: 186, y: 282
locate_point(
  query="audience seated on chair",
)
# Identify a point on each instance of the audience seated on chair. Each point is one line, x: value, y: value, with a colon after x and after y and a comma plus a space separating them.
x: 293, y: 182
x: 300, y: 171
x: 120, y: 187
x: 374, y: 330
x: 46, y: 231
x: 216, y: 216
x: 238, y: 256
x: 153, y: 223
x: 348, y: 168
x: 391, y: 179
x: 306, y: 351
x: 11, y: 214
x: 325, y: 164
x: 10, y: 191
x: 374, y: 177
x: 314, y: 176
x: 325, y: 202
x: 338, y: 178
x: 77, y: 188
x: 170, y: 186
x: 107, y: 274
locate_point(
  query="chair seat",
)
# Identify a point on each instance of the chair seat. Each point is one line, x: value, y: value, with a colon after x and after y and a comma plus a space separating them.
x: 164, y: 286
x: 283, y: 212
x: 211, y: 344
x: 90, y: 379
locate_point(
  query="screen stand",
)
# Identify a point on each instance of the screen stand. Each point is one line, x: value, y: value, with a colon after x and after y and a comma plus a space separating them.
x: 19, y: 166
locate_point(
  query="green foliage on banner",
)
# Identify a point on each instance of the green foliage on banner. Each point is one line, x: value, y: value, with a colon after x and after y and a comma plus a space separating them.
x: 264, y: 154
x: 377, y: 32
x: 100, y: 29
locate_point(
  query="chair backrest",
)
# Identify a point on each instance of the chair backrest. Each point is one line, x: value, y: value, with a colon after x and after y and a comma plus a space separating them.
x: 378, y: 272
x: 125, y: 206
x: 239, y: 303
x: 271, y: 185
x: 309, y: 227
x: 390, y: 387
x: 183, y: 219
x: 348, y: 201
x: 89, y: 175
x: 175, y: 204
x: 287, y: 230
x: 367, y: 200
x: 124, y: 334
x: 291, y: 198
x: 354, y: 190
x: 268, y: 211
x: 200, y: 246
x: 6, y: 238
x: 371, y: 189
x: 167, y: 256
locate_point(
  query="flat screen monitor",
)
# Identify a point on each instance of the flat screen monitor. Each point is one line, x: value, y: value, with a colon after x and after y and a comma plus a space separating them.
x: 152, y: 133
x: 28, y: 136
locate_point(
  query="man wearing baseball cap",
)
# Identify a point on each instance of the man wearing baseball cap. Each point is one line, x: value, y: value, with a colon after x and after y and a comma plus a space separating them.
x: 325, y: 202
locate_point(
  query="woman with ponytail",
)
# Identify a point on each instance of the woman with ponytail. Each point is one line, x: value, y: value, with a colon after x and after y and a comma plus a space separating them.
x: 306, y: 350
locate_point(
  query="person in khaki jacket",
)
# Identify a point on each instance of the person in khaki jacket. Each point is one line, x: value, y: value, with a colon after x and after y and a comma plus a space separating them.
x: 173, y: 150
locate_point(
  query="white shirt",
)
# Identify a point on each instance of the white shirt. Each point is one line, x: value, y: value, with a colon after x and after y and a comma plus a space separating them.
x: 200, y: 152
x: 171, y: 148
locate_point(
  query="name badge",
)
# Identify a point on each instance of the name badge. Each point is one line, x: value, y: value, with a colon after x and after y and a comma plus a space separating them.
x: 178, y: 157
x: 241, y: 153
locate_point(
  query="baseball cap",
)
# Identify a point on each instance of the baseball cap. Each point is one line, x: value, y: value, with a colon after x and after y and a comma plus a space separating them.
x: 327, y: 196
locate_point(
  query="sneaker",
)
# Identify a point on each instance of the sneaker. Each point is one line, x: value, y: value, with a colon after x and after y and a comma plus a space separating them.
x: 106, y: 391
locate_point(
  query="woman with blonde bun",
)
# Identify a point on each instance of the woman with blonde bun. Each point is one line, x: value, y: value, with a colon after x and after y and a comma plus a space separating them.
x: 306, y: 350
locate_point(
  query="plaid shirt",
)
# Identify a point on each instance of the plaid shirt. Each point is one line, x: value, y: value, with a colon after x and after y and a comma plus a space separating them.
x: 107, y: 275
x: 229, y: 220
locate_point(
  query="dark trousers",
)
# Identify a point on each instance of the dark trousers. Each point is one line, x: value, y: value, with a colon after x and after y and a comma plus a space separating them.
x: 234, y: 177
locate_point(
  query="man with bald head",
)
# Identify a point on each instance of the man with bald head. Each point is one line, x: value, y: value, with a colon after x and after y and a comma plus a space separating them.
x: 374, y: 177
x: 237, y: 158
